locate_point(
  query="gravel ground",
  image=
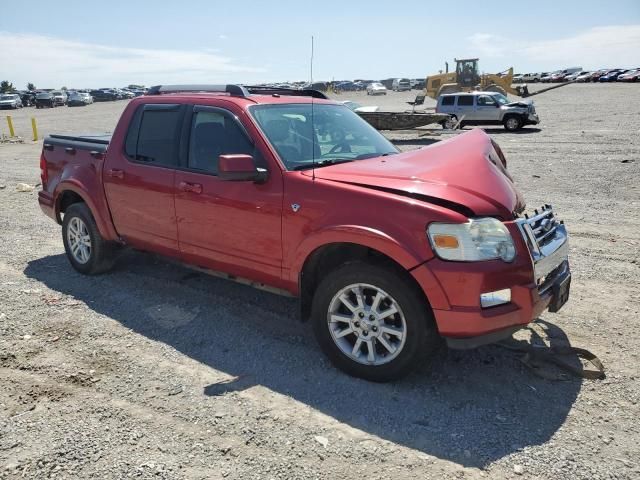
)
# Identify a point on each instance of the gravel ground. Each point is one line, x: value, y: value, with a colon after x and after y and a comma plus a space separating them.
x: 154, y: 371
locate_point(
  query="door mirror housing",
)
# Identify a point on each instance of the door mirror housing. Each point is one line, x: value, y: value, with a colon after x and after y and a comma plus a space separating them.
x: 240, y: 168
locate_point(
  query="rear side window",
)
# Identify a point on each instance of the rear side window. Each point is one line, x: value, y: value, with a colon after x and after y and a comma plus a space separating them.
x: 153, y: 135
x: 447, y: 100
x: 215, y: 133
x: 465, y: 100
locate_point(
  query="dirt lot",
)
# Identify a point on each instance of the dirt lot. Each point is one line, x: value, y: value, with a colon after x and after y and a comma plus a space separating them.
x: 153, y: 371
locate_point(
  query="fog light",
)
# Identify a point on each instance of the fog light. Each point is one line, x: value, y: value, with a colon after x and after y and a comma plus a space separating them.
x: 491, y: 299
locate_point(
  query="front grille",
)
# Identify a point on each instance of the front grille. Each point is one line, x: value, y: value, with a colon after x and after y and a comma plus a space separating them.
x: 543, y: 225
x: 546, y: 238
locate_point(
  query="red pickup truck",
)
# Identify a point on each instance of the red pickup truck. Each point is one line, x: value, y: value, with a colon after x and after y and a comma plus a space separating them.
x: 388, y: 252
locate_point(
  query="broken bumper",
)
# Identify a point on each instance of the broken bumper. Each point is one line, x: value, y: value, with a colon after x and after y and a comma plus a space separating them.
x: 538, y: 279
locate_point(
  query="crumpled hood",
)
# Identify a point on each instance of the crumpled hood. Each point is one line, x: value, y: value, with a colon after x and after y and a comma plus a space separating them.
x: 520, y: 103
x: 459, y: 174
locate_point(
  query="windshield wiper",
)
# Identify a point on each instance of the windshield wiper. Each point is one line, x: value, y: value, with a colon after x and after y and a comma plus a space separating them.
x: 324, y: 163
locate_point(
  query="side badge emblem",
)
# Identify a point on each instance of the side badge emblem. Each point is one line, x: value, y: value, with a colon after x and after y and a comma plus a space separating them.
x: 295, y: 207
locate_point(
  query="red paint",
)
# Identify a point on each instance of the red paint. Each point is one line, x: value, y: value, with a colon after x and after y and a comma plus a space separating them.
x: 251, y: 229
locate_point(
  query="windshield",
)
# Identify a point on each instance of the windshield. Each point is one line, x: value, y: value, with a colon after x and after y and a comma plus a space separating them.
x: 501, y: 99
x: 6, y: 97
x: 304, y: 134
x: 43, y: 95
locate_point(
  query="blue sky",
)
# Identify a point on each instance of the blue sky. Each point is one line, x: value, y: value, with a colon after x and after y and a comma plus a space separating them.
x: 96, y: 44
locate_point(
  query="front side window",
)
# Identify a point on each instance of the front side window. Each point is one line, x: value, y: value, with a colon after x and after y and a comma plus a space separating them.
x: 215, y: 133
x: 486, y: 101
x: 306, y: 135
x: 153, y: 136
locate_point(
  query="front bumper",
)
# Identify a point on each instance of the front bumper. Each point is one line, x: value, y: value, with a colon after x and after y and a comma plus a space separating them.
x: 533, y: 119
x: 537, y: 278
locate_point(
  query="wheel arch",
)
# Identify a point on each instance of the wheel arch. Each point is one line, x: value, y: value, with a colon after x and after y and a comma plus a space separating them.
x: 329, y: 256
x: 69, y: 193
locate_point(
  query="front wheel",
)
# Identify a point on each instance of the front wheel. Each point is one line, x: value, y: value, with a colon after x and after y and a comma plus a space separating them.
x: 512, y: 123
x: 86, y: 250
x: 372, y: 322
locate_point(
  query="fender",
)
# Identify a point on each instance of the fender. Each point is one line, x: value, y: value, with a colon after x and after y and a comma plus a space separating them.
x: 105, y: 226
x: 377, y: 240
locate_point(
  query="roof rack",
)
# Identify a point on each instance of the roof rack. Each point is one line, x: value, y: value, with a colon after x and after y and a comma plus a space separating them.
x: 305, y: 92
x: 235, y: 90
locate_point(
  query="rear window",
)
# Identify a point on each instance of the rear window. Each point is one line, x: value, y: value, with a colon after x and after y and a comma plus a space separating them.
x: 448, y: 100
x: 465, y: 100
x: 153, y: 135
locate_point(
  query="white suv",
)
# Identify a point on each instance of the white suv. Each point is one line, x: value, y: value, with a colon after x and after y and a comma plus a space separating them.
x: 487, y: 108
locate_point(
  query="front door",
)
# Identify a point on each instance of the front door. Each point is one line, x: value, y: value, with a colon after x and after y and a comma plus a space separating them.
x: 235, y: 227
x: 139, y: 180
x: 487, y: 109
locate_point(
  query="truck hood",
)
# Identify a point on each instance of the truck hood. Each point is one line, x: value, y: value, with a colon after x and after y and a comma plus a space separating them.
x: 464, y: 174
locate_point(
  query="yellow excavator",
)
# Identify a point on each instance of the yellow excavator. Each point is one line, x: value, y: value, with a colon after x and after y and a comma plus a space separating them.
x: 466, y: 78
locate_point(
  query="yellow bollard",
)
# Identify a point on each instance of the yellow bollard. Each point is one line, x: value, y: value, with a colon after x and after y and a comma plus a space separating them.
x: 34, y: 127
x: 12, y: 132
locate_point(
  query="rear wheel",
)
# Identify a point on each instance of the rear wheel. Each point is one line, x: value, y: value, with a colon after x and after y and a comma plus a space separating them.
x: 512, y: 123
x: 372, y: 322
x: 450, y: 123
x: 86, y: 250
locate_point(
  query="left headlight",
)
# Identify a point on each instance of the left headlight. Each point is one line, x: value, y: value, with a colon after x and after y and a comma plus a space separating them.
x: 478, y: 239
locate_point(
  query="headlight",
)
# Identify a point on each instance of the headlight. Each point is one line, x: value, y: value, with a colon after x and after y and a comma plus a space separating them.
x: 478, y: 239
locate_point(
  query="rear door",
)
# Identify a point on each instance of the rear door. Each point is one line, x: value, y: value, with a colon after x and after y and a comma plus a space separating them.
x: 139, y: 180
x: 235, y: 227
x: 465, y: 108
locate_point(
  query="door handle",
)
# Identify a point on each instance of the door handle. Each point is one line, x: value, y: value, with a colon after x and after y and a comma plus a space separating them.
x: 190, y: 187
x: 115, y: 173
x: 70, y: 150
x: 96, y: 154
x: 47, y: 146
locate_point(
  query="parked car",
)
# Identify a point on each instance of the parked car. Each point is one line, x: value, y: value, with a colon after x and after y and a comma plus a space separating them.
x: 387, y: 251
x: 103, y: 95
x: 558, y: 77
x: 79, y: 99
x: 401, y: 84
x: 59, y: 97
x: 630, y: 76
x: 376, y: 88
x: 45, y: 100
x: 10, y: 100
x: 612, y: 75
x: 584, y: 77
x: 532, y: 77
x: 519, y: 78
x: 596, y: 75
x: 487, y: 108
x: 547, y: 78
x: 570, y: 77
x: 28, y: 98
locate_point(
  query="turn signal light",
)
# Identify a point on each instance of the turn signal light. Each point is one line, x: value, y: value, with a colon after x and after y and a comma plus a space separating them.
x: 445, y: 241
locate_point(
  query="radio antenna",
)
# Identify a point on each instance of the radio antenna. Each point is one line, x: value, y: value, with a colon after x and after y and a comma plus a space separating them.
x: 313, y: 125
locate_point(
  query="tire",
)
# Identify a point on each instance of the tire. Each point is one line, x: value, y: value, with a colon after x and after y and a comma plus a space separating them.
x: 448, y: 124
x: 414, y: 338
x: 512, y: 123
x: 98, y: 258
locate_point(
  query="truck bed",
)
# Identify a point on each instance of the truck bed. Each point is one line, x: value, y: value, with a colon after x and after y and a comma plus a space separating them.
x: 98, y: 141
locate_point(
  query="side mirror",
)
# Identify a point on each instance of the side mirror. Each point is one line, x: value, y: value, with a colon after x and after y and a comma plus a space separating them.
x: 240, y: 168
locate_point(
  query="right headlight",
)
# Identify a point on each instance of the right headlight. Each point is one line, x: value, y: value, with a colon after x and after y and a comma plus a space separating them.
x: 478, y: 239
